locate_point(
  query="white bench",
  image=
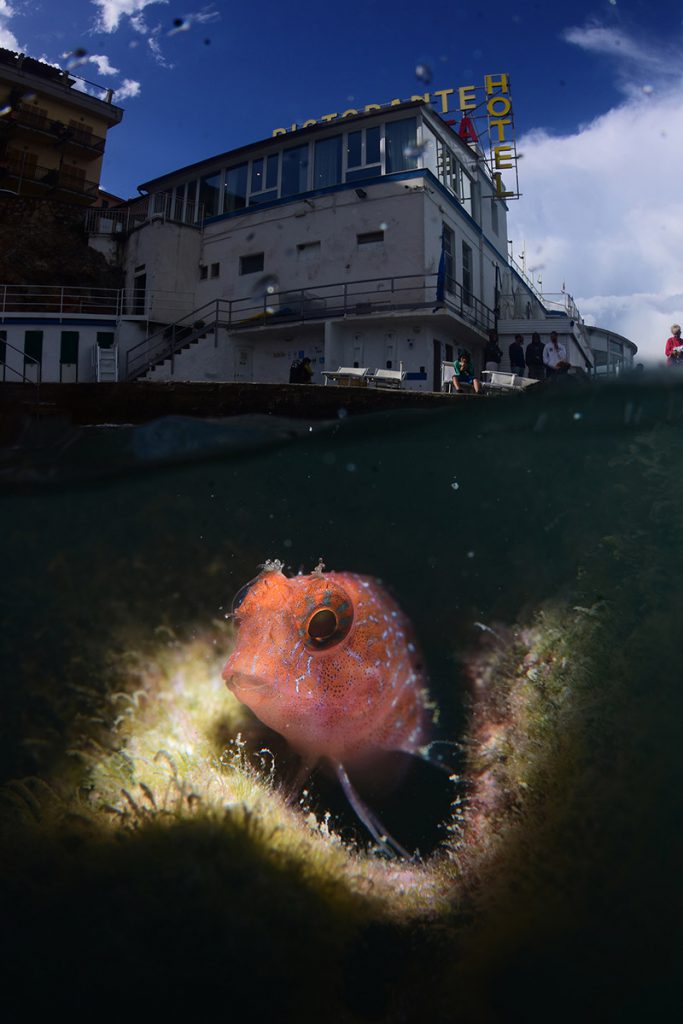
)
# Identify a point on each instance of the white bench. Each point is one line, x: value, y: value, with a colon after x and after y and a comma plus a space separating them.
x: 387, y: 378
x: 497, y: 380
x: 348, y: 376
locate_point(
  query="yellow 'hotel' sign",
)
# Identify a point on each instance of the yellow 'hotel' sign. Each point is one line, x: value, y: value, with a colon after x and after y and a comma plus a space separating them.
x: 493, y: 103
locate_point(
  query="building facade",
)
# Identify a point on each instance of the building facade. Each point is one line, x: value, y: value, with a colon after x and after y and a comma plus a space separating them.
x: 375, y: 240
x: 52, y: 130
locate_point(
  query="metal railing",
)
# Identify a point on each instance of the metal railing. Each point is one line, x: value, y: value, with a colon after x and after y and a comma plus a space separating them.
x: 49, y: 178
x: 66, y: 301
x: 38, y: 120
x: 99, y: 221
x: 406, y: 293
x: 25, y: 359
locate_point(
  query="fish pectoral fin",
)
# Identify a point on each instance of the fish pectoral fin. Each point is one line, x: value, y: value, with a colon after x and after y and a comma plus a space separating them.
x: 368, y: 816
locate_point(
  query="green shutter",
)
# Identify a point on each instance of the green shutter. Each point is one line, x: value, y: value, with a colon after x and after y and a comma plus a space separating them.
x: 69, y: 348
x: 33, y: 346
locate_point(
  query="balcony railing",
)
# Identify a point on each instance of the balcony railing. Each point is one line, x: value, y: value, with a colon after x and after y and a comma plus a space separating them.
x: 50, y: 179
x: 55, y: 300
x: 270, y: 308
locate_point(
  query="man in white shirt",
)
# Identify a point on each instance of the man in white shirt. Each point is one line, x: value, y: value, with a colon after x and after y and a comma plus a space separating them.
x: 553, y: 354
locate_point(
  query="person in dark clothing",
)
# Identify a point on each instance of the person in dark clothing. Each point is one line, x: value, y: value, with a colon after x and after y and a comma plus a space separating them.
x: 493, y: 353
x: 516, y: 353
x: 534, y: 357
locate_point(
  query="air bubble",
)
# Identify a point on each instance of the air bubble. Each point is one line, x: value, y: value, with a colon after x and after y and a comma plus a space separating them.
x: 287, y: 543
x: 342, y: 413
x: 351, y: 467
x: 455, y: 485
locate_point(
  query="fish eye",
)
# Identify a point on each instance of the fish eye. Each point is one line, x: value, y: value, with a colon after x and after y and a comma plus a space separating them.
x: 322, y: 624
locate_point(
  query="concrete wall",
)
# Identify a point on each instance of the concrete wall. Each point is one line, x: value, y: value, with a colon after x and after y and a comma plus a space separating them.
x: 169, y: 255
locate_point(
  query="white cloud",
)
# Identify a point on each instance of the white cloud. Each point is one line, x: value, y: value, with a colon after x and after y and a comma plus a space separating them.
x: 102, y: 63
x: 8, y: 40
x: 111, y: 11
x: 128, y: 89
x: 602, y: 210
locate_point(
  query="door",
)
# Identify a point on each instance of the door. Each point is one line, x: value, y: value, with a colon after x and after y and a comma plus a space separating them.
x: 244, y: 363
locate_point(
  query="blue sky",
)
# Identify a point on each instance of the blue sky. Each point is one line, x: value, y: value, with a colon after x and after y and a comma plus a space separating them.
x: 596, y: 90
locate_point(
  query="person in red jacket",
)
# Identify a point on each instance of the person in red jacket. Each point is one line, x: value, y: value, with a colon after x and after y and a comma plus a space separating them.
x: 674, y: 356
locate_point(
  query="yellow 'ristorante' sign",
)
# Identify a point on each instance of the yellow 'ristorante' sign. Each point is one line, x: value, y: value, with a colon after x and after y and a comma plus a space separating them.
x: 484, y: 110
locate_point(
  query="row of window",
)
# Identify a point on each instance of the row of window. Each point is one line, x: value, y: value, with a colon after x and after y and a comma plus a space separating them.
x: 254, y: 262
x: 347, y: 157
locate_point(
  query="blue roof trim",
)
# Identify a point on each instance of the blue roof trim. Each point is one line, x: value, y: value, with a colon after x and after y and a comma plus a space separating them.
x: 343, y: 186
x: 57, y: 321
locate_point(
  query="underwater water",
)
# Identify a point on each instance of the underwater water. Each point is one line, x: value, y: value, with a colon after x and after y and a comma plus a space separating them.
x: 535, y: 544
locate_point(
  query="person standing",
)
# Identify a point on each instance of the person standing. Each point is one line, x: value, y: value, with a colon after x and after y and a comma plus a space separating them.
x: 516, y: 353
x: 553, y: 354
x: 534, y: 357
x: 493, y: 353
x: 673, y: 356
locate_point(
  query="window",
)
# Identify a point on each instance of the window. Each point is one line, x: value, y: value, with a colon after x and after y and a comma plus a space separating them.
x: 263, y: 186
x: 363, y: 154
x: 210, y: 195
x: 105, y: 339
x: 251, y: 264
x: 72, y: 178
x: 401, y: 145
x: 294, y: 170
x: 215, y: 269
x: 82, y: 133
x: 328, y: 162
x: 3, y: 347
x: 448, y: 243
x: 369, y: 237
x: 203, y: 273
x: 308, y: 250
x: 466, y: 273
x: 179, y: 201
x: 235, y: 188
x: 494, y: 216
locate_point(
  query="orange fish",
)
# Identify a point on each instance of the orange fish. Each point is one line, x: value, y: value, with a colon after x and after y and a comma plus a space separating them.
x: 329, y: 662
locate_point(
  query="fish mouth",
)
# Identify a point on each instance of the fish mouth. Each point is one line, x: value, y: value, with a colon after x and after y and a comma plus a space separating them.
x: 242, y: 682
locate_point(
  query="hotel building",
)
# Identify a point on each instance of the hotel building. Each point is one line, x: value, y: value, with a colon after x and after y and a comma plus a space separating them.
x: 375, y: 239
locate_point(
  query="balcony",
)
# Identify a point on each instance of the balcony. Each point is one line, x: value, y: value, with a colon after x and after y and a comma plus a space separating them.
x: 71, y: 138
x: 16, y: 175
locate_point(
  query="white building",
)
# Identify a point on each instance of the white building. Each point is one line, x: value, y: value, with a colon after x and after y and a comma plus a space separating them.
x: 374, y: 240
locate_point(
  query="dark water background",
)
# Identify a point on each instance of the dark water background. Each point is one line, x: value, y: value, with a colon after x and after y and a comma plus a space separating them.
x: 476, y: 514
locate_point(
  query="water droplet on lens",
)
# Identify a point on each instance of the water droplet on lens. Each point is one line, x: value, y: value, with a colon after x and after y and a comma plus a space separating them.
x: 383, y: 226
x: 287, y: 543
x: 415, y: 150
x: 648, y: 89
x: 351, y: 467
x: 455, y: 485
x: 4, y: 111
x: 342, y: 413
x: 266, y: 285
x: 423, y: 73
